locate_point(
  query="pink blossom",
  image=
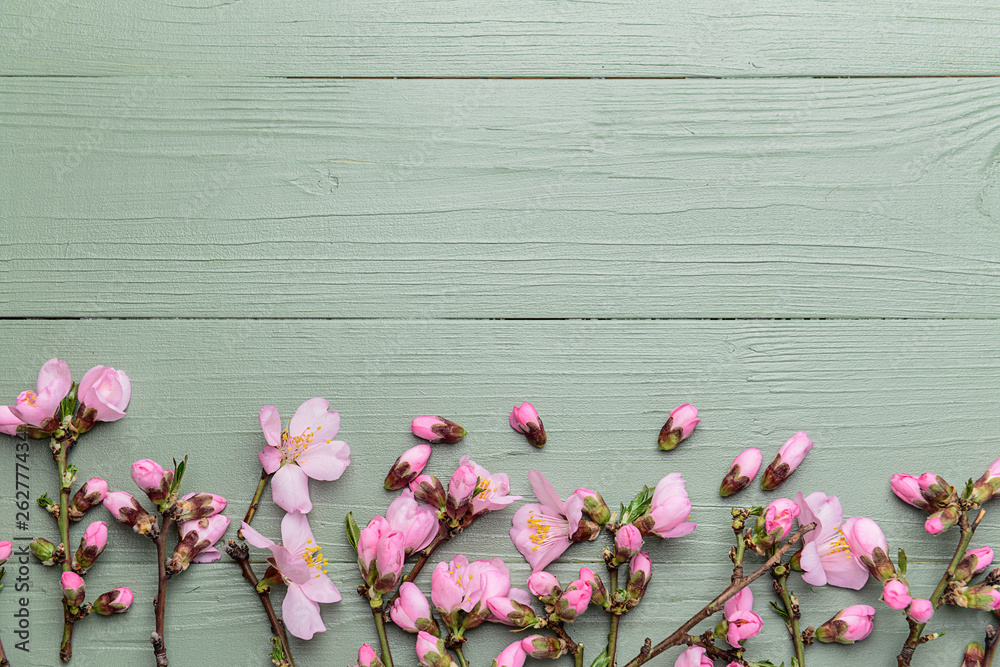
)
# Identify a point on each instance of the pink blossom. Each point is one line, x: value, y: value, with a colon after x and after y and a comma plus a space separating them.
x: 868, y: 544
x: 640, y: 571
x: 195, y: 506
x: 116, y: 601
x: 367, y: 657
x: 849, y: 625
x: 743, y: 621
x: 197, y: 538
x: 6, y: 548
x: 544, y: 584
x: 693, y: 657
x: 93, y: 491
x: 907, y: 489
x: 54, y: 383
x: 920, y: 610
x: 368, y: 541
x: 380, y: 556
x: 778, y: 517
x: 524, y: 419
x: 463, y: 586
x: 411, y: 611
x: 151, y: 478
x: 432, y: 653
x: 541, y: 532
x: 981, y: 596
x: 512, y: 656
x: 437, y: 429
x: 9, y: 422
x: 741, y: 472
x: 680, y: 424
x: 669, y: 510
x: 826, y: 556
x: 105, y: 390
x: 93, y: 542
x: 493, y: 489
x: 574, y: 600
x: 304, y: 449
x: 416, y: 522
x: 301, y: 564
x: 407, y: 467
x: 896, y: 594
x: 600, y: 593
x: 628, y: 541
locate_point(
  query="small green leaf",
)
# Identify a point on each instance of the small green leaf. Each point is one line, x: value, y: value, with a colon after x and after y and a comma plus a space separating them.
x: 780, y: 610
x: 902, y: 561
x: 179, y: 469
x: 639, y: 505
x: 45, y: 501
x: 353, y: 532
x: 968, y: 489
x: 602, y: 660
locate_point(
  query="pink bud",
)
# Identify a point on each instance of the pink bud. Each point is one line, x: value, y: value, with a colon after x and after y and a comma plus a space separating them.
x: 9, y: 421
x: 694, y: 657
x: 6, y: 548
x: 196, y: 506
x: 389, y: 560
x: 575, y: 600
x: 368, y: 541
x: 147, y: 474
x: 907, y: 489
x: 849, y: 625
x: 896, y: 594
x: 437, y: 429
x: 460, y: 490
x: 538, y: 646
x: 680, y: 424
x: 429, y: 489
x: 741, y: 472
x: 524, y: 419
x: 511, y: 611
x: 417, y: 522
x: 74, y: 590
x: 984, y: 558
x: 93, y: 491
x: 543, y: 584
x: 197, y: 538
x: 411, y: 607
x: 431, y: 651
x: 864, y: 536
x: 512, y: 656
x: 920, y: 610
x: 594, y: 506
x: 778, y: 517
x: 407, y: 467
x: 628, y: 540
x: 117, y: 601
x: 790, y: 455
x: 640, y: 570
x: 105, y: 390
x: 127, y: 510
x: 600, y: 593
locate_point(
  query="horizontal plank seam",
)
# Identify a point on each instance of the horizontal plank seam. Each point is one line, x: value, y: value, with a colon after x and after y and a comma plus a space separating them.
x: 500, y: 77
x: 500, y: 319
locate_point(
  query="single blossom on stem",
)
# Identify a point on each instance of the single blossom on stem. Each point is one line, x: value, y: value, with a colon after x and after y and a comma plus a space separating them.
x: 106, y: 391
x: 849, y: 625
x: 127, y: 510
x: 668, y: 511
x: 790, y: 455
x: 826, y: 556
x: 640, y: 571
x: 775, y: 524
x: 542, y: 531
x: 94, y: 539
x: 680, y: 425
x: 305, y: 449
x: 153, y: 480
x: 743, y: 621
x: 494, y: 489
x: 195, y: 545
x: 301, y: 565
x: 35, y: 408
x: 896, y: 594
x: 693, y: 657
x: 628, y: 541
x: 437, y: 429
x: 524, y: 419
x: 741, y: 472
x: 74, y: 590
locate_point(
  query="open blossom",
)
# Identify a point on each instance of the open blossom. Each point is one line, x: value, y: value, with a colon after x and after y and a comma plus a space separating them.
x: 437, y: 429
x: 743, y: 470
x: 407, y: 467
x: 304, y: 449
x: 826, y: 556
x: 680, y: 424
x: 524, y: 419
x: 467, y: 587
x: 743, y: 621
x: 541, y: 531
x: 669, y: 510
x: 849, y: 625
x: 105, y: 390
x: 301, y: 564
x: 494, y: 488
x: 693, y: 657
x: 789, y: 456
x: 512, y: 656
x: 416, y: 522
x: 36, y: 407
x: 896, y: 594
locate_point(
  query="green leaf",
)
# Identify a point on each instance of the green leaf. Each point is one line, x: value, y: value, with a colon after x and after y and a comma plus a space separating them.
x: 968, y: 489
x: 902, y: 561
x: 780, y: 610
x: 179, y: 469
x: 602, y: 660
x: 68, y: 405
x: 353, y: 532
x: 639, y: 505
x: 45, y: 501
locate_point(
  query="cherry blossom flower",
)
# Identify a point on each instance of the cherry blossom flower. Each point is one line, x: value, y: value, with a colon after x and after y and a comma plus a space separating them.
x: 849, y: 625
x: 789, y: 456
x: 743, y: 470
x: 493, y: 489
x: 304, y: 449
x: 107, y: 391
x: 36, y: 407
x: 300, y: 562
x: 541, y: 532
x: 435, y: 429
x: 416, y: 522
x: 463, y: 586
x: 826, y: 556
x: 743, y: 621
x: 669, y: 510
x: 896, y: 594
x: 524, y: 419
x: 411, y: 611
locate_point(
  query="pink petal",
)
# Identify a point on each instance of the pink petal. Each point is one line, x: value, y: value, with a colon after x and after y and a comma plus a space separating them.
x: 270, y: 459
x: 810, y: 562
x: 56, y: 371
x: 300, y: 614
x: 573, y: 509
x: 296, y: 534
x: 325, y: 460
x: 321, y: 589
x: 845, y: 572
x: 681, y: 530
x: 292, y: 566
x: 255, y: 538
x: 315, y: 413
x: 89, y: 379
x: 271, y: 423
x: 290, y: 489
x: 544, y: 491
x: 209, y: 555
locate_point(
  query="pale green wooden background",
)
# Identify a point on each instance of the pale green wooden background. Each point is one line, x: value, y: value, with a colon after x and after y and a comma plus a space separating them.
x: 784, y: 212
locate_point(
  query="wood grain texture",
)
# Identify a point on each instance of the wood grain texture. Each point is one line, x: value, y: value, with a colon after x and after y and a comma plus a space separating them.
x: 876, y: 396
x: 538, y: 38
x: 157, y: 197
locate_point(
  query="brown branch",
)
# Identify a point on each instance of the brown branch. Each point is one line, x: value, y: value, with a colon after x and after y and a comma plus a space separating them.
x: 255, y: 502
x: 241, y: 554
x: 160, y: 604
x: 715, y: 605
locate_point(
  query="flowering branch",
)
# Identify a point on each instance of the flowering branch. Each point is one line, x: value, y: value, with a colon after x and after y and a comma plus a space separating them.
x: 738, y: 584
x: 780, y: 574
x: 241, y: 554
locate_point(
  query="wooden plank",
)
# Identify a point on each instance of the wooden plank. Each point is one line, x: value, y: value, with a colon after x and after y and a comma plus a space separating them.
x: 876, y: 396
x: 693, y: 198
x: 664, y: 38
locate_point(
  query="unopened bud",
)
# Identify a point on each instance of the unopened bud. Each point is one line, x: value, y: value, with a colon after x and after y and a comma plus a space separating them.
x: 942, y: 520
x: 429, y: 489
x: 599, y: 595
x: 407, y: 467
x: 195, y: 506
x: 44, y: 550
x: 789, y: 456
x: 849, y: 625
x: 74, y: 590
x: 975, y: 655
x: 741, y: 472
x: 94, y: 539
x: 117, y: 601
x: 628, y: 541
x: 512, y: 612
x: 524, y: 419
x: 586, y: 531
x: 538, y: 646
x: 128, y: 511
x: 680, y: 424
x: 640, y: 570
x: 152, y: 479
x: 93, y: 491
x: 983, y: 597
x: 437, y: 429
x: 974, y: 562
x: 594, y: 506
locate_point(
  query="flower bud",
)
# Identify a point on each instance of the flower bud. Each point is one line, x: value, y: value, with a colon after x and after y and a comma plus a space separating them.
x: 93, y: 491
x: 195, y: 506
x: 869, y: 546
x: 741, y: 472
x: 437, y: 429
x: 600, y: 593
x: 694, y: 656
x: 511, y: 612
x: 573, y: 601
x: 790, y: 455
x: 460, y: 491
x: 94, y: 539
x: 106, y: 391
x: 907, y: 489
x: 429, y: 489
x: 942, y: 520
x: 44, y: 551
x: 367, y: 657
x: 524, y: 419
x: 920, y: 610
x: 935, y: 490
x: 849, y: 625
x: 196, y: 537
x: 407, y: 467
x: 432, y: 653
x: 512, y: 656
x: 544, y: 585
x: 775, y: 523
x: 974, y: 562
x: 368, y: 540
x: 680, y: 424
x: 594, y: 506
x: 987, y: 487
x: 150, y: 477
x: 538, y: 646
x: 982, y: 596
x: 6, y: 549
x: 628, y: 541
x: 389, y: 560
x: 74, y: 590
x: 975, y: 655
x: 640, y: 570
x: 114, y: 602
x: 128, y: 511
x: 896, y: 594
x: 411, y: 611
